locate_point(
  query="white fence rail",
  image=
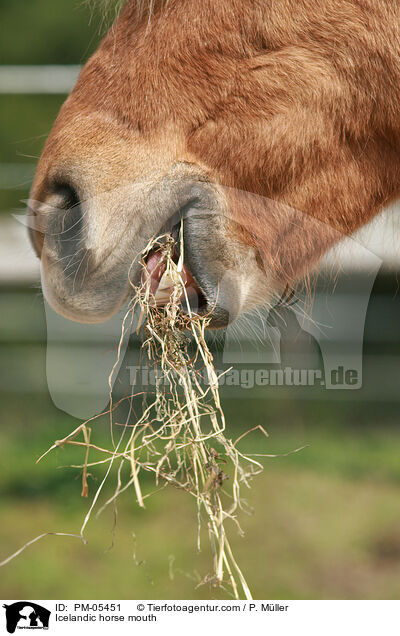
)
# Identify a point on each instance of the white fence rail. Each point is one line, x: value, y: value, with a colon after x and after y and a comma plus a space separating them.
x: 40, y: 80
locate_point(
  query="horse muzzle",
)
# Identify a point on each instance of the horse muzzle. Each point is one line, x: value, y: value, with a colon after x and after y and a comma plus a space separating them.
x: 91, y: 249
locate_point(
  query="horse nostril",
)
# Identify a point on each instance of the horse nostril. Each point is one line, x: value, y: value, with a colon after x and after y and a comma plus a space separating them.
x: 65, y: 224
x: 65, y: 229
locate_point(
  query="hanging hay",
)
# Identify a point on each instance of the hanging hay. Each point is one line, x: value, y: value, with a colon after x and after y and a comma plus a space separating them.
x: 180, y: 436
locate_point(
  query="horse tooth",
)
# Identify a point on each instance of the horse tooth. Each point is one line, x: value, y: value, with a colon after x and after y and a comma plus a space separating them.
x: 168, y: 280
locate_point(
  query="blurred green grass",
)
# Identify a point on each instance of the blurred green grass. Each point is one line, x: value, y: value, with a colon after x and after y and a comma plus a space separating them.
x: 326, y: 521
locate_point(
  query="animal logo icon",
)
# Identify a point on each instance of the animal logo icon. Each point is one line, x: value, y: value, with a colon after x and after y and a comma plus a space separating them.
x: 26, y: 615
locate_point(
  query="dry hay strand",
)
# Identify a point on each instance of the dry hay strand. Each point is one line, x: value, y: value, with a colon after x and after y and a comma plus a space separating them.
x: 180, y: 436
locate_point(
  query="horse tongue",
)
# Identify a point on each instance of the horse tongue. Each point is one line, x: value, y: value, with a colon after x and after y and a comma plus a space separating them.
x: 155, y: 268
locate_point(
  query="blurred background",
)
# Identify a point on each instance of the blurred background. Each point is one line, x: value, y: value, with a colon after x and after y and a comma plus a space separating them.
x: 326, y: 521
